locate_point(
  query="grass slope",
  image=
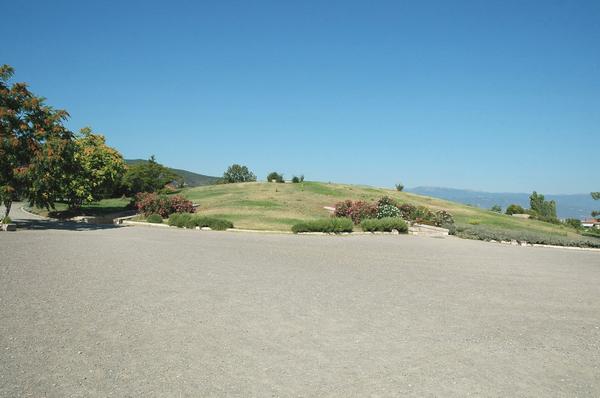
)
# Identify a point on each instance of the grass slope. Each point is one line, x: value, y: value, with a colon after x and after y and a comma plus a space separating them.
x: 270, y: 206
x: 191, y: 179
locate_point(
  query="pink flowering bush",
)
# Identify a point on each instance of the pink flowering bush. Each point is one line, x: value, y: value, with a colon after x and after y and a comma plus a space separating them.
x: 149, y: 203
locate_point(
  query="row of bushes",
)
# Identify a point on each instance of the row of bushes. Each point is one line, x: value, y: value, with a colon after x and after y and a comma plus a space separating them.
x: 386, y: 224
x: 343, y: 224
x: 480, y: 232
x: 328, y: 225
x: 189, y: 220
x: 387, y: 207
x: 149, y: 203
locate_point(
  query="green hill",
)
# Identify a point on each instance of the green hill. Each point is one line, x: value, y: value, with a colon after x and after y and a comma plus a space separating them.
x: 271, y: 206
x: 191, y: 179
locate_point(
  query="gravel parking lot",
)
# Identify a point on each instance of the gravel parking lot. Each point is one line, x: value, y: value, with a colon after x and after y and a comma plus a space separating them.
x: 138, y: 311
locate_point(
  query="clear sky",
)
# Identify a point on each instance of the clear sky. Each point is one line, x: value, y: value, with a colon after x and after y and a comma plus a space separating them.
x: 489, y: 95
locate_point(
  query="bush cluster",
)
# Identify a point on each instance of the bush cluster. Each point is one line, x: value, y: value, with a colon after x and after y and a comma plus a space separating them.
x: 275, y: 177
x: 296, y: 179
x: 515, y: 209
x: 481, y: 232
x: 328, y: 225
x: 356, y: 211
x: 154, y: 219
x: 189, y: 220
x: 387, y: 211
x: 386, y: 224
x: 149, y: 203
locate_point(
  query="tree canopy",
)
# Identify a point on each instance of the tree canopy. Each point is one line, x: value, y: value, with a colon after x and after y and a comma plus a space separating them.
x: 238, y: 173
x: 36, y: 150
x: 98, y: 169
x: 149, y: 176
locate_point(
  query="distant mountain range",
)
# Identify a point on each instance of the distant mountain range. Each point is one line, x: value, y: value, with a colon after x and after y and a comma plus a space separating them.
x: 567, y: 206
x: 190, y: 178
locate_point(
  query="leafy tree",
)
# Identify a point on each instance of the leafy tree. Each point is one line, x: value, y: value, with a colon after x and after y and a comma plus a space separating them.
x: 542, y: 208
x: 36, y: 150
x: 496, y: 208
x: 238, y: 173
x: 399, y: 187
x: 296, y: 179
x: 149, y: 176
x: 596, y: 196
x: 514, y: 209
x: 274, y: 176
x: 99, y: 168
x: 573, y: 223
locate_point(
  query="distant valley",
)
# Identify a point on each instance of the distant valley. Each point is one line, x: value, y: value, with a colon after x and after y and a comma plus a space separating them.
x: 567, y: 206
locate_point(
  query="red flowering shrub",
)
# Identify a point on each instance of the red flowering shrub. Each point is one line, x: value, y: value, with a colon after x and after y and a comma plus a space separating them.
x: 362, y: 210
x: 342, y: 209
x: 179, y: 204
x: 151, y: 203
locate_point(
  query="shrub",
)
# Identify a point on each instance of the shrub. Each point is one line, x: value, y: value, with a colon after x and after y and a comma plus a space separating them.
x: 6, y: 220
x: 297, y: 179
x: 342, y: 209
x: 514, y: 209
x: 163, y: 205
x: 179, y: 219
x: 443, y: 219
x: 386, y: 211
x: 481, y: 232
x: 496, y: 209
x: 423, y: 215
x: 329, y: 225
x: 407, y: 211
x: 386, y: 224
x: 399, y: 187
x: 154, y: 218
x: 361, y: 210
x: 274, y: 176
x: 573, y: 223
x: 386, y: 200
x: 189, y: 220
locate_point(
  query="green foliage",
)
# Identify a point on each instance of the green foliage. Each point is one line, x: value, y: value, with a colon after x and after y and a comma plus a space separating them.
x: 296, y: 179
x: 443, y: 219
x: 6, y: 220
x: 154, y: 218
x: 573, y: 223
x: 595, y: 196
x: 36, y: 150
x: 237, y: 173
x: 328, y: 225
x: 422, y: 215
x: 542, y: 209
x: 149, y: 176
x: 387, y: 211
x: 515, y: 209
x: 98, y: 170
x: 386, y: 224
x: 386, y: 200
x: 275, y: 177
x: 189, y: 220
x: 481, y: 232
x: 399, y: 187
x: 496, y: 208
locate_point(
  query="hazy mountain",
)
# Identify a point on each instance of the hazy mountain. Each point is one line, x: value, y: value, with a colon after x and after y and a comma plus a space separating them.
x: 190, y: 178
x: 567, y: 206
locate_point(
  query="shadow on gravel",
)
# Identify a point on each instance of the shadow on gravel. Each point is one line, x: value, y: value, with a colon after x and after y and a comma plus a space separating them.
x: 41, y: 225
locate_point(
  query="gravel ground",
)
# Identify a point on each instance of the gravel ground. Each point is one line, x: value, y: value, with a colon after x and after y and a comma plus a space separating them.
x: 148, y: 312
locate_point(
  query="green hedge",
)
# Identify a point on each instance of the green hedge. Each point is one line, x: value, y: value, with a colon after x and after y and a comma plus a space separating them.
x: 329, y: 225
x: 194, y: 220
x: 481, y: 232
x: 154, y: 219
x: 386, y: 224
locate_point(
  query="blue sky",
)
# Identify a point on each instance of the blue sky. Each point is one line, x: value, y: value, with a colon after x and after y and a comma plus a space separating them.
x: 489, y: 95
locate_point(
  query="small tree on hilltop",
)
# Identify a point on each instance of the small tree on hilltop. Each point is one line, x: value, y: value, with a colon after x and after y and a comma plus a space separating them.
x: 496, y: 209
x: 514, y: 209
x: 274, y: 176
x: 238, y: 173
x: 399, y: 187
